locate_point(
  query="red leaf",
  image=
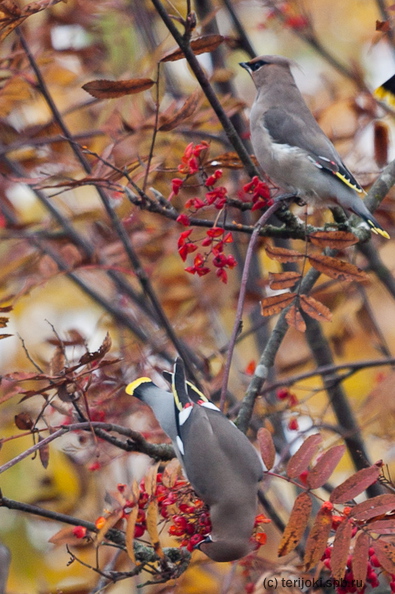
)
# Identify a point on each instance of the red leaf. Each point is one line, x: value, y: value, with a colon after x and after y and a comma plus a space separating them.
x: 360, y: 558
x: 283, y: 254
x: 341, y: 549
x: 266, y: 445
x: 325, y: 466
x: 302, y: 458
x: 376, y: 506
x: 383, y: 526
x: 355, y: 484
x: 317, y: 539
x: 385, y: 552
x: 199, y: 45
x: 295, y: 319
x: 110, y: 89
x: 276, y: 303
x: 297, y: 523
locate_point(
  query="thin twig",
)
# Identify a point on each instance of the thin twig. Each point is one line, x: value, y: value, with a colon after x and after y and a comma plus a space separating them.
x: 240, y: 303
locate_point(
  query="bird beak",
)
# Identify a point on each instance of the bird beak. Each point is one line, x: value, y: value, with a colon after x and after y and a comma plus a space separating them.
x: 246, y: 66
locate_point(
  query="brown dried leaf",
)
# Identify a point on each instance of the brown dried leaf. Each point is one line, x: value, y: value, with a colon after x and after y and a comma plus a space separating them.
x: 228, y: 160
x: 110, y: 522
x: 295, y: 319
x: 171, y: 473
x: 302, y: 458
x: 283, y: 254
x: 373, y: 507
x: 150, y: 479
x: 43, y: 453
x: 360, y: 558
x: 297, y: 523
x: 23, y: 421
x: 276, y: 303
x: 57, y: 363
x: 318, y: 538
x: 3, y: 321
x: 385, y: 552
x: 383, y: 26
x: 66, y: 536
x: 334, y: 239
x: 337, y: 269
x: 199, y: 45
x: 129, y: 536
x: 325, y: 466
x: 6, y: 308
x: 152, y: 527
x: 341, y: 549
x: 266, y: 446
x: 355, y: 484
x: 168, y: 123
x: 381, y: 143
x: 315, y: 309
x: 279, y: 281
x: 383, y: 526
x: 99, y: 354
x: 110, y: 89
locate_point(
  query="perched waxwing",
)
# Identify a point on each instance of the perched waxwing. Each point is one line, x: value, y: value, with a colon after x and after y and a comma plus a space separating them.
x: 219, y: 461
x: 292, y: 149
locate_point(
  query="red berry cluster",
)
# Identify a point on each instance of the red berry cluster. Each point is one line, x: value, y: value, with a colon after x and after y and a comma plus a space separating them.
x: 187, y: 515
x: 348, y: 584
x: 216, y: 240
x: 260, y: 193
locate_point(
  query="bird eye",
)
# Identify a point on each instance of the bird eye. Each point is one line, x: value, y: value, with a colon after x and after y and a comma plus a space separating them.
x: 256, y: 65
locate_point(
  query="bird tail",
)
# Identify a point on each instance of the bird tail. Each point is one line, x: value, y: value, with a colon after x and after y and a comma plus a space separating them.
x: 362, y: 211
x: 386, y: 92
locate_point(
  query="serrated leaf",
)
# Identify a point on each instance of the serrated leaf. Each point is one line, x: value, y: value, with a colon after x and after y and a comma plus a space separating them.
x: 110, y: 522
x: 230, y: 160
x: 302, y: 458
x: 317, y: 539
x: 337, y: 269
x: 360, y: 558
x: 129, y: 536
x: 111, y: 89
x: 283, y: 254
x: 152, y: 527
x: 150, y: 479
x: 385, y: 552
x: 382, y: 526
x: 295, y: 319
x: 276, y: 303
x: 323, y: 469
x: 279, y: 281
x: 341, y: 549
x: 355, y: 484
x: 334, y: 239
x: 315, y: 309
x: 374, y: 507
x: 171, y: 473
x: 168, y: 123
x: 266, y: 446
x: 199, y: 45
x: 296, y: 525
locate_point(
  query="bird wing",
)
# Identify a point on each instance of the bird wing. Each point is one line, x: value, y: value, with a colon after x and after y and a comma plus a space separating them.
x: 290, y: 129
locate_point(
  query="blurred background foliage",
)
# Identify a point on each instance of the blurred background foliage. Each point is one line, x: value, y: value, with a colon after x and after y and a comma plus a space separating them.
x: 90, y: 288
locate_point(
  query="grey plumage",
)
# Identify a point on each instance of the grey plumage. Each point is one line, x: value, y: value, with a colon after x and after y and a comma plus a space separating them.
x: 219, y: 461
x: 291, y: 147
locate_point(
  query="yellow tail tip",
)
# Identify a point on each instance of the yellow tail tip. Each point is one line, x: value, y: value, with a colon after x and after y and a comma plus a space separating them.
x: 130, y: 388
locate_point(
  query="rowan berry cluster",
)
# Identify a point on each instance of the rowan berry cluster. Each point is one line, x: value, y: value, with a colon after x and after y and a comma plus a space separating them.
x: 186, y: 515
x: 193, y: 162
x: 348, y: 583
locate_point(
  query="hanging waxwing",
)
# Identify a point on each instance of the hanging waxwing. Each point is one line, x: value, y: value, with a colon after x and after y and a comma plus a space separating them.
x: 219, y: 461
x: 292, y: 149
